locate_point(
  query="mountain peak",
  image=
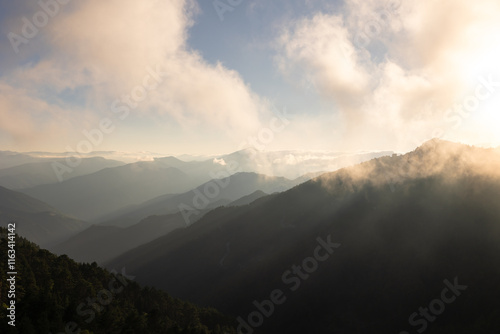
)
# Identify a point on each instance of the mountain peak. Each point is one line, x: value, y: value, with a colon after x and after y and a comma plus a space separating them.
x: 444, y: 148
x: 437, y: 142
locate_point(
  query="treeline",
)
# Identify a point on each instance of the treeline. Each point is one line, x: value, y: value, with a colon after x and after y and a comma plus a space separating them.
x: 54, y: 294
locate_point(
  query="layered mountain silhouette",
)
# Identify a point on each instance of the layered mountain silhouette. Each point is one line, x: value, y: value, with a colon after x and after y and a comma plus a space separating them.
x: 288, y: 164
x: 91, y: 196
x: 158, y: 217
x: 98, y: 187
x: 103, y: 243
x: 246, y: 200
x: 10, y: 159
x: 33, y: 174
x: 211, y: 194
x: 359, y: 250
x: 37, y: 220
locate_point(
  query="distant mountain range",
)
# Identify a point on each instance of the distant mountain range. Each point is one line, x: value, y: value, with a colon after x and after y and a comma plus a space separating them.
x: 90, y: 197
x: 97, y: 189
x: 109, y: 191
x: 161, y: 216
x: 36, y: 220
x: 11, y: 159
x: 33, y: 174
x: 225, y: 190
x: 294, y: 164
x: 354, y: 251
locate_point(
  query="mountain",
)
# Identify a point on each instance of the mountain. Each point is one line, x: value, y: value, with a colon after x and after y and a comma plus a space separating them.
x: 35, y: 219
x: 38, y: 173
x: 288, y: 164
x: 245, y: 200
x: 103, y: 243
x: 293, y: 164
x: 209, y: 195
x: 92, y: 196
x: 10, y: 159
x: 402, y: 243
x: 309, y: 176
x: 55, y: 294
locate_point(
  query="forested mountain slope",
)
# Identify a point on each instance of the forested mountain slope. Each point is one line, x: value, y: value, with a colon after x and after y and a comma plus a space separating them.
x: 392, y: 233
x: 55, y: 294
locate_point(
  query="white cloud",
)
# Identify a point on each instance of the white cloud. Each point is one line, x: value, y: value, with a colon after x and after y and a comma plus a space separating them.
x: 103, y: 49
x: 26, y: 118
x: 320, y: 49
x: 393, y: 68
x: 219, y: 161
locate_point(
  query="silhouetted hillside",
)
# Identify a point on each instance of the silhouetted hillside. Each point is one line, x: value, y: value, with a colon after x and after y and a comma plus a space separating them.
x: 103, y: 243
x: 55, y: 294
x: 391, y: 233
x: 245, y: 200
x: 226, y: 190
x: 161, y: 215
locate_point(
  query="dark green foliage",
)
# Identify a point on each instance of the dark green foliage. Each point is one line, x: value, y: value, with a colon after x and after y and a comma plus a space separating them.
x: 50, y: 289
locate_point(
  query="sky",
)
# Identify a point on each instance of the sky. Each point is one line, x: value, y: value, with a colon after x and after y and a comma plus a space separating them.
x: 211, y: 77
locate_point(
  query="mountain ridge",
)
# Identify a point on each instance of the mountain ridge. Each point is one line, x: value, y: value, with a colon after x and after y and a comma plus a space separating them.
x: 385, y: 213
x: 35, y: 219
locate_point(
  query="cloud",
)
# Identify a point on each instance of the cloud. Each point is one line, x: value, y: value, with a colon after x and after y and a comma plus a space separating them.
x: 27, y: 118
x: 103, y: 49
x: 219, y: 161
x: 391, y: 68
x: 394, y: 68
x: 320, y: 49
